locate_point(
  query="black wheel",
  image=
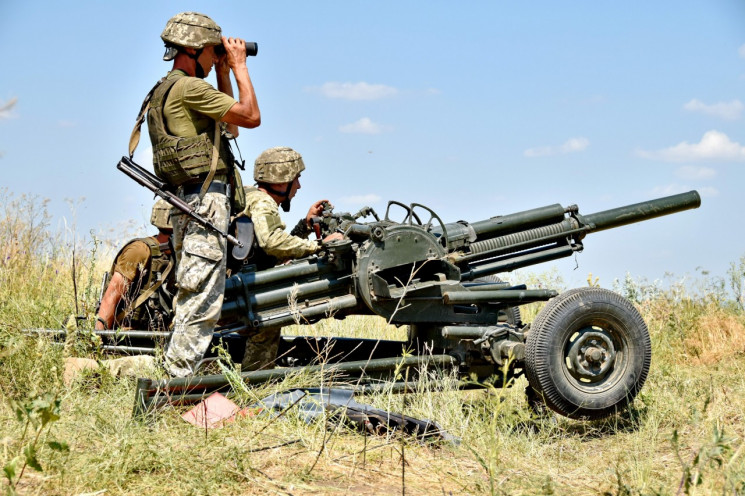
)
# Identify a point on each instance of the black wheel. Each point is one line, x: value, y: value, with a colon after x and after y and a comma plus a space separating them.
x: 538, y: 322
x: 588, y: 353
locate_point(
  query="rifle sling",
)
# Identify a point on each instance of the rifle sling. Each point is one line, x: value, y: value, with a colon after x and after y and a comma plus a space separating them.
x: 152, y: 289
x: 134, y: 138
x: 213, y: 164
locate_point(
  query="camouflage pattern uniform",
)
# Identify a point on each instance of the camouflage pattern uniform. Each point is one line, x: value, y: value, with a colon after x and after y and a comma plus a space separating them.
x: 269, y: 230
x: 200, y: 253
x: 200, y: 275
x: 276, y: 165
x: 140, y: 292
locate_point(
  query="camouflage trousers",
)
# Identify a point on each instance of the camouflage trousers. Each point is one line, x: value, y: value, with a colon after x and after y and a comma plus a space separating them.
x: 261, y: 350
x: 200, y: 276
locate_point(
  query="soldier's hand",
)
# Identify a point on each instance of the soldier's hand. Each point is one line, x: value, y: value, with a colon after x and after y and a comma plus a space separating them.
x: 235, y: 49
x: 333, y: 237
x: 315, y: 210
x: 221, y: 66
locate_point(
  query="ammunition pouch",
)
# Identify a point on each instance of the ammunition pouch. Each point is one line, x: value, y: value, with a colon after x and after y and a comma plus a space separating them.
x: 183, y: 160
x: 178, y: 160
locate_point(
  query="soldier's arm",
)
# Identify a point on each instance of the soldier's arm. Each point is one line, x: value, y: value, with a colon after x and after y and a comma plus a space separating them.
x: 111, y: 298
x: 224, y: 85
x: 272, y: 237
x: 245, y: 113
x: 126, y: 269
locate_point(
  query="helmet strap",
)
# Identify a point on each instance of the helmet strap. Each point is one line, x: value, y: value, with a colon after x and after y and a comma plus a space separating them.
x: 198, y: 71
x: 285, y: 204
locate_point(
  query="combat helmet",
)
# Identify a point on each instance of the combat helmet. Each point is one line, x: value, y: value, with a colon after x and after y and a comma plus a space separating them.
x: 189, y: 30
x: 161, y: 216
x: 280, y: 164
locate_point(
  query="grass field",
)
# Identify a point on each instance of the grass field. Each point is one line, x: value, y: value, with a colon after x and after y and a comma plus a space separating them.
x: 683, y: 435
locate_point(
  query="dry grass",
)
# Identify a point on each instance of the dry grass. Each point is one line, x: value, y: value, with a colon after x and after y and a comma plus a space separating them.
x: 683, y: 435
x: 716, y: 336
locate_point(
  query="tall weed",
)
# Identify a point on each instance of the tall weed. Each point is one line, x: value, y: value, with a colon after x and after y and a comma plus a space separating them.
x: 684, y: 432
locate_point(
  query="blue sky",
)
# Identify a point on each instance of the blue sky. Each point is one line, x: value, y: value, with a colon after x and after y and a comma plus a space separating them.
x: 473, y: 108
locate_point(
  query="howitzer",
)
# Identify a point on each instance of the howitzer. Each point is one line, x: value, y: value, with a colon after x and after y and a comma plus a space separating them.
x: 586, y: 355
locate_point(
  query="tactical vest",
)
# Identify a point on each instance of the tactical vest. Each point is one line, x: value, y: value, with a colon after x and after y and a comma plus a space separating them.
x: 148, y: 303
x: 180, y: 160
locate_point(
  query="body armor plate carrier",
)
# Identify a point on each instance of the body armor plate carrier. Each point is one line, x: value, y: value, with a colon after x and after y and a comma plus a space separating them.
x: 148, y: 303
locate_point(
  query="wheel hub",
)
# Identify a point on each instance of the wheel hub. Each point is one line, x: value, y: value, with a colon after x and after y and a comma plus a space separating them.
x: 591, y: 355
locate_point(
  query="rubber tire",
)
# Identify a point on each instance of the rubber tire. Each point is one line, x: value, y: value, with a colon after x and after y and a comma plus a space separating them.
x: 546, y: 310
x: 533, y: 393
x: 567, y: 316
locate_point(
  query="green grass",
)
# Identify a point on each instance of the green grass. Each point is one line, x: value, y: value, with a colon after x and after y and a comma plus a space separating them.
x: 683, y: 435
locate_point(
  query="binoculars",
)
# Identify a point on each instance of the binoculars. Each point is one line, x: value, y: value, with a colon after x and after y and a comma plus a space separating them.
x: 252, y: 48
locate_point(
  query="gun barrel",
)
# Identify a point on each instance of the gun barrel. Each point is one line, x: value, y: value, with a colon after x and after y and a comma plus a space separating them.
x: 552, y: 241
x: 621, y: 216
x: 520, y: 221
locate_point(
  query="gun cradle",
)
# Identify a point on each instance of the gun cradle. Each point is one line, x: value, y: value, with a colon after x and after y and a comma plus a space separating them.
x: 586, y: 355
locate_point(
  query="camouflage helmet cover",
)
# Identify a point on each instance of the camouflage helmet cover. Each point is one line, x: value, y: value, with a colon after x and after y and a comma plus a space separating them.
x: 191, y: 30
x: 161, y: 216
x: 280, y: 164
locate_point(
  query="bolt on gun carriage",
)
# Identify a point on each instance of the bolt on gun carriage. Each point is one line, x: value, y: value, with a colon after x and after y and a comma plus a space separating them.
x: 586, y: 355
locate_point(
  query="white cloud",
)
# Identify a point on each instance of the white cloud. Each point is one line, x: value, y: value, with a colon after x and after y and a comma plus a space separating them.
x: 6, y: 108
x: 355, y: 91
x: 674, y: 189
x: 364, y: 126
x: 360, y: 200
x: 570, y: 146
x: 691, y: 172
x: 724, y: 110
x: 714, y: 145
x: 741, y: 51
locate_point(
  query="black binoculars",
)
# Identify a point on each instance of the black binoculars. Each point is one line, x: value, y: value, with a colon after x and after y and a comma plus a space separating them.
x: 252, y: 48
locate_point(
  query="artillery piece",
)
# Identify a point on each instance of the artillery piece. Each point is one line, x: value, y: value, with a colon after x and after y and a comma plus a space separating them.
x: 586, y: 355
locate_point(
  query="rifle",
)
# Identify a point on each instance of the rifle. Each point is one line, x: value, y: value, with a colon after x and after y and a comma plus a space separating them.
x: 104, y: 283
x: 152, y: 182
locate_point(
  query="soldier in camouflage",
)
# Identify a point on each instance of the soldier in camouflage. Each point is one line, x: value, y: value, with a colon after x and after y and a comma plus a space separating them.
x: 138, y: 296
x: 140, y: 292
x: 186, y: 119
x: 277, y: 175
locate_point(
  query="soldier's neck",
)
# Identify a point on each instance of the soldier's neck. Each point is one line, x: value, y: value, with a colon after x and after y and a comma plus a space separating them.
x: 184, y: 63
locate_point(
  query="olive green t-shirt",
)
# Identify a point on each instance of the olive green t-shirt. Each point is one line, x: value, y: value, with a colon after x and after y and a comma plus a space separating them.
x: 193, y: 106
x: 133, y: 258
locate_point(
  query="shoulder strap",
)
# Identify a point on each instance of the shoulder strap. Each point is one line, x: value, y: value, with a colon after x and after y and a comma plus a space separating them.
x: 134, y: 138
x: 155, y: 251
x: 213, y: 164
